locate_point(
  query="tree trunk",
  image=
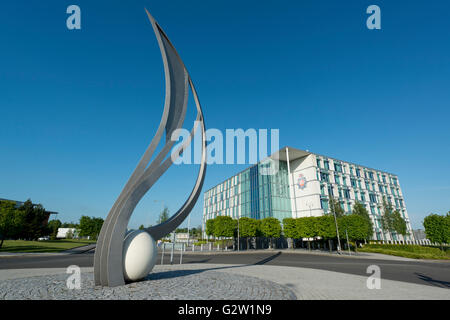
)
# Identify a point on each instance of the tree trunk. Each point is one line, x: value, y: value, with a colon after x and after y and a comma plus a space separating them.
x: 309, y: 246
x: 1, y: 243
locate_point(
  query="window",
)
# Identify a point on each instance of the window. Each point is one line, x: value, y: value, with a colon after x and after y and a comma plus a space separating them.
x: 337, y: 167
x: 336, y: 179
x: 353, y: 182
x: 326, y: 164
x: 347, y: 194
x: 322, y: 189
x: 395, y: 181
x: 324, y: 177
x: 318, y: 162
x: 363, y: 197
x: 330, y: 191
x: 381, y: 188
x: 324, y: 204
x: 372, y: 198
x: 371, y: 175
x: 358, y: 173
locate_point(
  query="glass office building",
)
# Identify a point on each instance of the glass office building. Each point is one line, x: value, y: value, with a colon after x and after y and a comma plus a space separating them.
x: 302, y: 187
x: 252, y: 194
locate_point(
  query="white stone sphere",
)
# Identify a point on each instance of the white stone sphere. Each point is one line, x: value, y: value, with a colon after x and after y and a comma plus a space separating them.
x: 139, y: 255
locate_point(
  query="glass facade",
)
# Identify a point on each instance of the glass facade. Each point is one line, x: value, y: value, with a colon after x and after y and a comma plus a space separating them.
x: 251, y: 194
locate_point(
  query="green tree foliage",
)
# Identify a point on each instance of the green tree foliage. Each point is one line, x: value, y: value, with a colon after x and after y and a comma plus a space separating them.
x: 53, y: 226
x: 399, y: 224
x: 90, y: 227
x: 164, y: 215
x: 247, y: 228
x: 32, y: 221
x: 141, y: 227
x: 447, y: 227
x: 437, y: 228
x: 355, y: 225
x: 290, y: 228
x: 210, y: 227
x: 307, y: 227
x: 326, y: 227
x: 70, y: 225
x: 8, y: 221
x: 387, y: 220
x: 360, y: 210
x: 335, y: 207
x: 224, y: 226
x: 271, y: 228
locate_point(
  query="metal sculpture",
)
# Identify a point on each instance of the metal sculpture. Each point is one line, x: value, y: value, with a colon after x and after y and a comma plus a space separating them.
x: 108, y: 260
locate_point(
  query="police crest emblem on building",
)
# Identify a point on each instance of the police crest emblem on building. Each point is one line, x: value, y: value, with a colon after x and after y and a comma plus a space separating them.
x: 302, y: 181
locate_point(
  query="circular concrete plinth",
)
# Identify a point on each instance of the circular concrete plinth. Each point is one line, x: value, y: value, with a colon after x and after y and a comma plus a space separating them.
x: 165, y: 283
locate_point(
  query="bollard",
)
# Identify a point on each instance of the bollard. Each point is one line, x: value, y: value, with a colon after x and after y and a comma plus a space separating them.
x: 181, y: 253
x: 193, y: 248
x: 162, y: 256
x: 210, y: 246
x: 218, y: 248
x: 201, y: 247
x: 171, y: 252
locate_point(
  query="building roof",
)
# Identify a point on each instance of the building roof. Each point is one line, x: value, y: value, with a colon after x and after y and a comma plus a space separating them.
x: 20, y: 203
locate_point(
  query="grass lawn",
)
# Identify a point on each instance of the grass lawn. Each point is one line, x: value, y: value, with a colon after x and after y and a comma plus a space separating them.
x: 42, y: 246
x: 407, y: 251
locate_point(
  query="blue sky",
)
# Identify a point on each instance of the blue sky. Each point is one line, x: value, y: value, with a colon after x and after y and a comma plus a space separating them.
x: 79, y: 107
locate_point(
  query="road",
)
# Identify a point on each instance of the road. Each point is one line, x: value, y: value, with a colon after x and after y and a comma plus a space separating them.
x: 426, y: 273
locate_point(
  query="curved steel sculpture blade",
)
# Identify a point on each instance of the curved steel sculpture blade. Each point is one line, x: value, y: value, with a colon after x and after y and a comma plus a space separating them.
x: 108, y: 259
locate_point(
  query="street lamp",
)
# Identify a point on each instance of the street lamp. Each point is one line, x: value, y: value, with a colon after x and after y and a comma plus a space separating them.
x: 238, y: 235
x: 337, y: 229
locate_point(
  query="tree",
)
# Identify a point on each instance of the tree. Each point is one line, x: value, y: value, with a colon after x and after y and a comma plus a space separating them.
x: 90, y: 227
x: 387, y: 220
x: 8, y: 222
x: 447, y: 227
x: 326, y: 228
x: 164, y: 215
x: 399, y: 224
x: 306, y: 228
x: 271, y: 228
x: 247, y: 228
x: 335, y: 207
x: 210, y: 227
x: 356, y: 226
x: 33, y: 218
x: 360, y: 210
x: 224, y: 226
x: 141, y: 227
x: 437, y: 228
x: 290, y: 229
x: 53, y: 226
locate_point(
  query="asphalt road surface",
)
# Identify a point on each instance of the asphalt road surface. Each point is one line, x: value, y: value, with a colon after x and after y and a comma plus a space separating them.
x: 419, y: 272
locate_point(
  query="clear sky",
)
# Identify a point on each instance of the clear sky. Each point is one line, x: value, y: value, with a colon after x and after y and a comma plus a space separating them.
x: 79, y: 107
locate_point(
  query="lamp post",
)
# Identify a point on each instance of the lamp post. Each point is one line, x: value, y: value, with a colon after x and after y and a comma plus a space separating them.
x: 238, y: 236
x: 337, y: 229
x: 189, y: 236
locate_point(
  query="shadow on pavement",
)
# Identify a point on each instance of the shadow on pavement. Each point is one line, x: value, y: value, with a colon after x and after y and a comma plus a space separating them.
x: 264, y: 261
x: 438, y: 283
x: 182, y: 273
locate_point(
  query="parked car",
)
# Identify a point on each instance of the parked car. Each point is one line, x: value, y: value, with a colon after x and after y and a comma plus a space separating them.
x: 44, y: 238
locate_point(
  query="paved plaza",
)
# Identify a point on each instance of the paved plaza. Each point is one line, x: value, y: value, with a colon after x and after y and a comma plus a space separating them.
x: 213, y: 281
